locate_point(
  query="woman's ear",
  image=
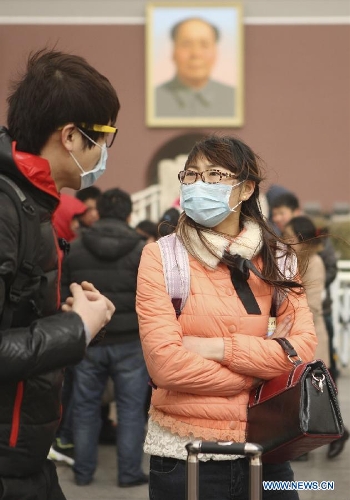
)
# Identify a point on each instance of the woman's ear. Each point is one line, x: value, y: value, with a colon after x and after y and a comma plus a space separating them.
x: 247, y: 190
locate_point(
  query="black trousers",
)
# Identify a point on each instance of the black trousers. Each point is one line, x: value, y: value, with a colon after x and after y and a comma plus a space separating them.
x: 41, y: 486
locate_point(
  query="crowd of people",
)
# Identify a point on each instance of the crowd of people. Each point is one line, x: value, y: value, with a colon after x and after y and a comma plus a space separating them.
x: 91, y: 307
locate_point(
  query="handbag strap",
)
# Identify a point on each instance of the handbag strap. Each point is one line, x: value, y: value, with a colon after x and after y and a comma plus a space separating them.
x: 289, y: 350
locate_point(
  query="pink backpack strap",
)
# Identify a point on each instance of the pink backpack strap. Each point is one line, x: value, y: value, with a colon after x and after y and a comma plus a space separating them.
x: 176, y: 270
x: 288, y: 268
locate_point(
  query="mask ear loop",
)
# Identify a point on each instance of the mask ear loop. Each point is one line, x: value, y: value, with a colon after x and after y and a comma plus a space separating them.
x: 77, y: 163
x: 233, y: 208
x: 89, y: 138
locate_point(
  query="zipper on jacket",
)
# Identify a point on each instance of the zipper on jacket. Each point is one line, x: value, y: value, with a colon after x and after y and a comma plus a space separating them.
x: 59, y: 267
x: 16, y: 415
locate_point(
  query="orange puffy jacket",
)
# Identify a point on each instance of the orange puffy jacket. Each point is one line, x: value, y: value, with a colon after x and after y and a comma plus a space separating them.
x: 200, y: 396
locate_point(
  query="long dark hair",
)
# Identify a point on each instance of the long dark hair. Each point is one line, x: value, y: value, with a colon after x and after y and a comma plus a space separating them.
x: 240, y: 159
x: 305, y: 230
x: 310, y: 237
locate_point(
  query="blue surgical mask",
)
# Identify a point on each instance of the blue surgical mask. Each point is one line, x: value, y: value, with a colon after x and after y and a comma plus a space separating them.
x: 207, y: 204
x: 89, y: 178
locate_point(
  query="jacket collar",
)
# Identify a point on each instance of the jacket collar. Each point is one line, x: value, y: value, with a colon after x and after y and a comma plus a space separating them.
x: 28, y: 171
x: 36, y: 170
x: 247, y: 244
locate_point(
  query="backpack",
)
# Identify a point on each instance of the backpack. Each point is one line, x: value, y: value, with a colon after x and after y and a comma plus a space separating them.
x: 27, y: 270
x: 176, y: 269
x: 177, y: 272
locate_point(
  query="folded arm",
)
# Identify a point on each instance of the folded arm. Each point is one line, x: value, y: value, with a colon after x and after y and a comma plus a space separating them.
x: 170, y: 365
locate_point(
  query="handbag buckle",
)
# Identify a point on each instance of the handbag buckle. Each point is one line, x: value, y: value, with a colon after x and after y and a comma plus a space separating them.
x: 294, y: 362
x: 317, y: 382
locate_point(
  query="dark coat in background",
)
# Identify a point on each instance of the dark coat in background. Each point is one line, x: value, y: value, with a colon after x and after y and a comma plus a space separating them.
x: 108, y: 255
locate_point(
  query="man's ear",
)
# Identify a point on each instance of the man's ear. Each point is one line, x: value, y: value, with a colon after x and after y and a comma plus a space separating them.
x: 68, y: 135
x: 247, y: 190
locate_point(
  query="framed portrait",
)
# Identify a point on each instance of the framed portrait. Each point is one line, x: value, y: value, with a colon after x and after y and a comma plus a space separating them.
x: 194, y: 64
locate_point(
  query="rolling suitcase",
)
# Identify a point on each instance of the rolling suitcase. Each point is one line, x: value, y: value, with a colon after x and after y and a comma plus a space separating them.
x: 251, y: 450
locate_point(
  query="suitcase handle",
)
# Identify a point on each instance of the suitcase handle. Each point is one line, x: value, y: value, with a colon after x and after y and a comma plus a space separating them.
x: 225, y: 448
x: 251, y: 450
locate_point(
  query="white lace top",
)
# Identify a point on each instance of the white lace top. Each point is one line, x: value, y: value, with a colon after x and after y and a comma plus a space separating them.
x: 163, y: 443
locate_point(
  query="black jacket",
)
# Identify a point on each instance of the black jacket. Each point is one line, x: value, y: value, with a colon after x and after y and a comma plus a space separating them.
x: 108, y: 255
x: 40, y: 341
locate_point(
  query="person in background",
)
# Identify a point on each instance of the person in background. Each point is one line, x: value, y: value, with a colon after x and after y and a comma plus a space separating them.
x: 46, y: 146
x: 168, y: 221
x: 205, y: 362
x: 273, y: 192
x: 109, y: 254
x: 148, y: 230
x: 66, y: 223
x: 66, y: 217
x: 302, y: 233
x: 89, y: 197
x: 329, y: 257
x: 283, y: 208
x: 192, y: 91
x: 72, y: 215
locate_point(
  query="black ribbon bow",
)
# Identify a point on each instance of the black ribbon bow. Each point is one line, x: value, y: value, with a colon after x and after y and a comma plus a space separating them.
x: 240, y: 270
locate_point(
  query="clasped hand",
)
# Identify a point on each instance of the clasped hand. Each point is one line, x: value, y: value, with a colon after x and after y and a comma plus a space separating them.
x: 94, y: 308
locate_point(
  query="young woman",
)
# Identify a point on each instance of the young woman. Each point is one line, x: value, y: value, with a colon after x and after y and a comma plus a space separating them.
x: 302, y: 233
x: 205, y: 362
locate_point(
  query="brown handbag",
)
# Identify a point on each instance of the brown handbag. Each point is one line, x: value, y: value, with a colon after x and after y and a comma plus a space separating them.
x: 296, y: 412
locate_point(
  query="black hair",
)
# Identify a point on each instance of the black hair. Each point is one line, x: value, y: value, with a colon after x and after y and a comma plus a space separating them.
x: 288, y: 200
x: 91, y: 192
x: 168, y: 221
x: 304, y: 229
x: 114, y: 203
x: 175, y: 28
x: 236, y: 156
x: 57, y: 89
x: 148, y: 228
x: 310, y: 238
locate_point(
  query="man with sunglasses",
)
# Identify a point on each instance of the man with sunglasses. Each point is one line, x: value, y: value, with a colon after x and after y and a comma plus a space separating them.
x: 60, y: 123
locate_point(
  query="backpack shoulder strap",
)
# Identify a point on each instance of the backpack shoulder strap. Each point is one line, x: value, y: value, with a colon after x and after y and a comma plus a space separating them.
x: 288, y: 268
x: 176, y: 270
x: 29, y: 237
x: 286, y: 264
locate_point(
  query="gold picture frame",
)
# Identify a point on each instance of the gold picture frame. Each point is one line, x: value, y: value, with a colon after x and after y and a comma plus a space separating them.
x: 194, y: 64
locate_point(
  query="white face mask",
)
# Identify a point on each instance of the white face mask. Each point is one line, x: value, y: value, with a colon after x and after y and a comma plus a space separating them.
x: 207, y: 204
x: 89, y: 178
